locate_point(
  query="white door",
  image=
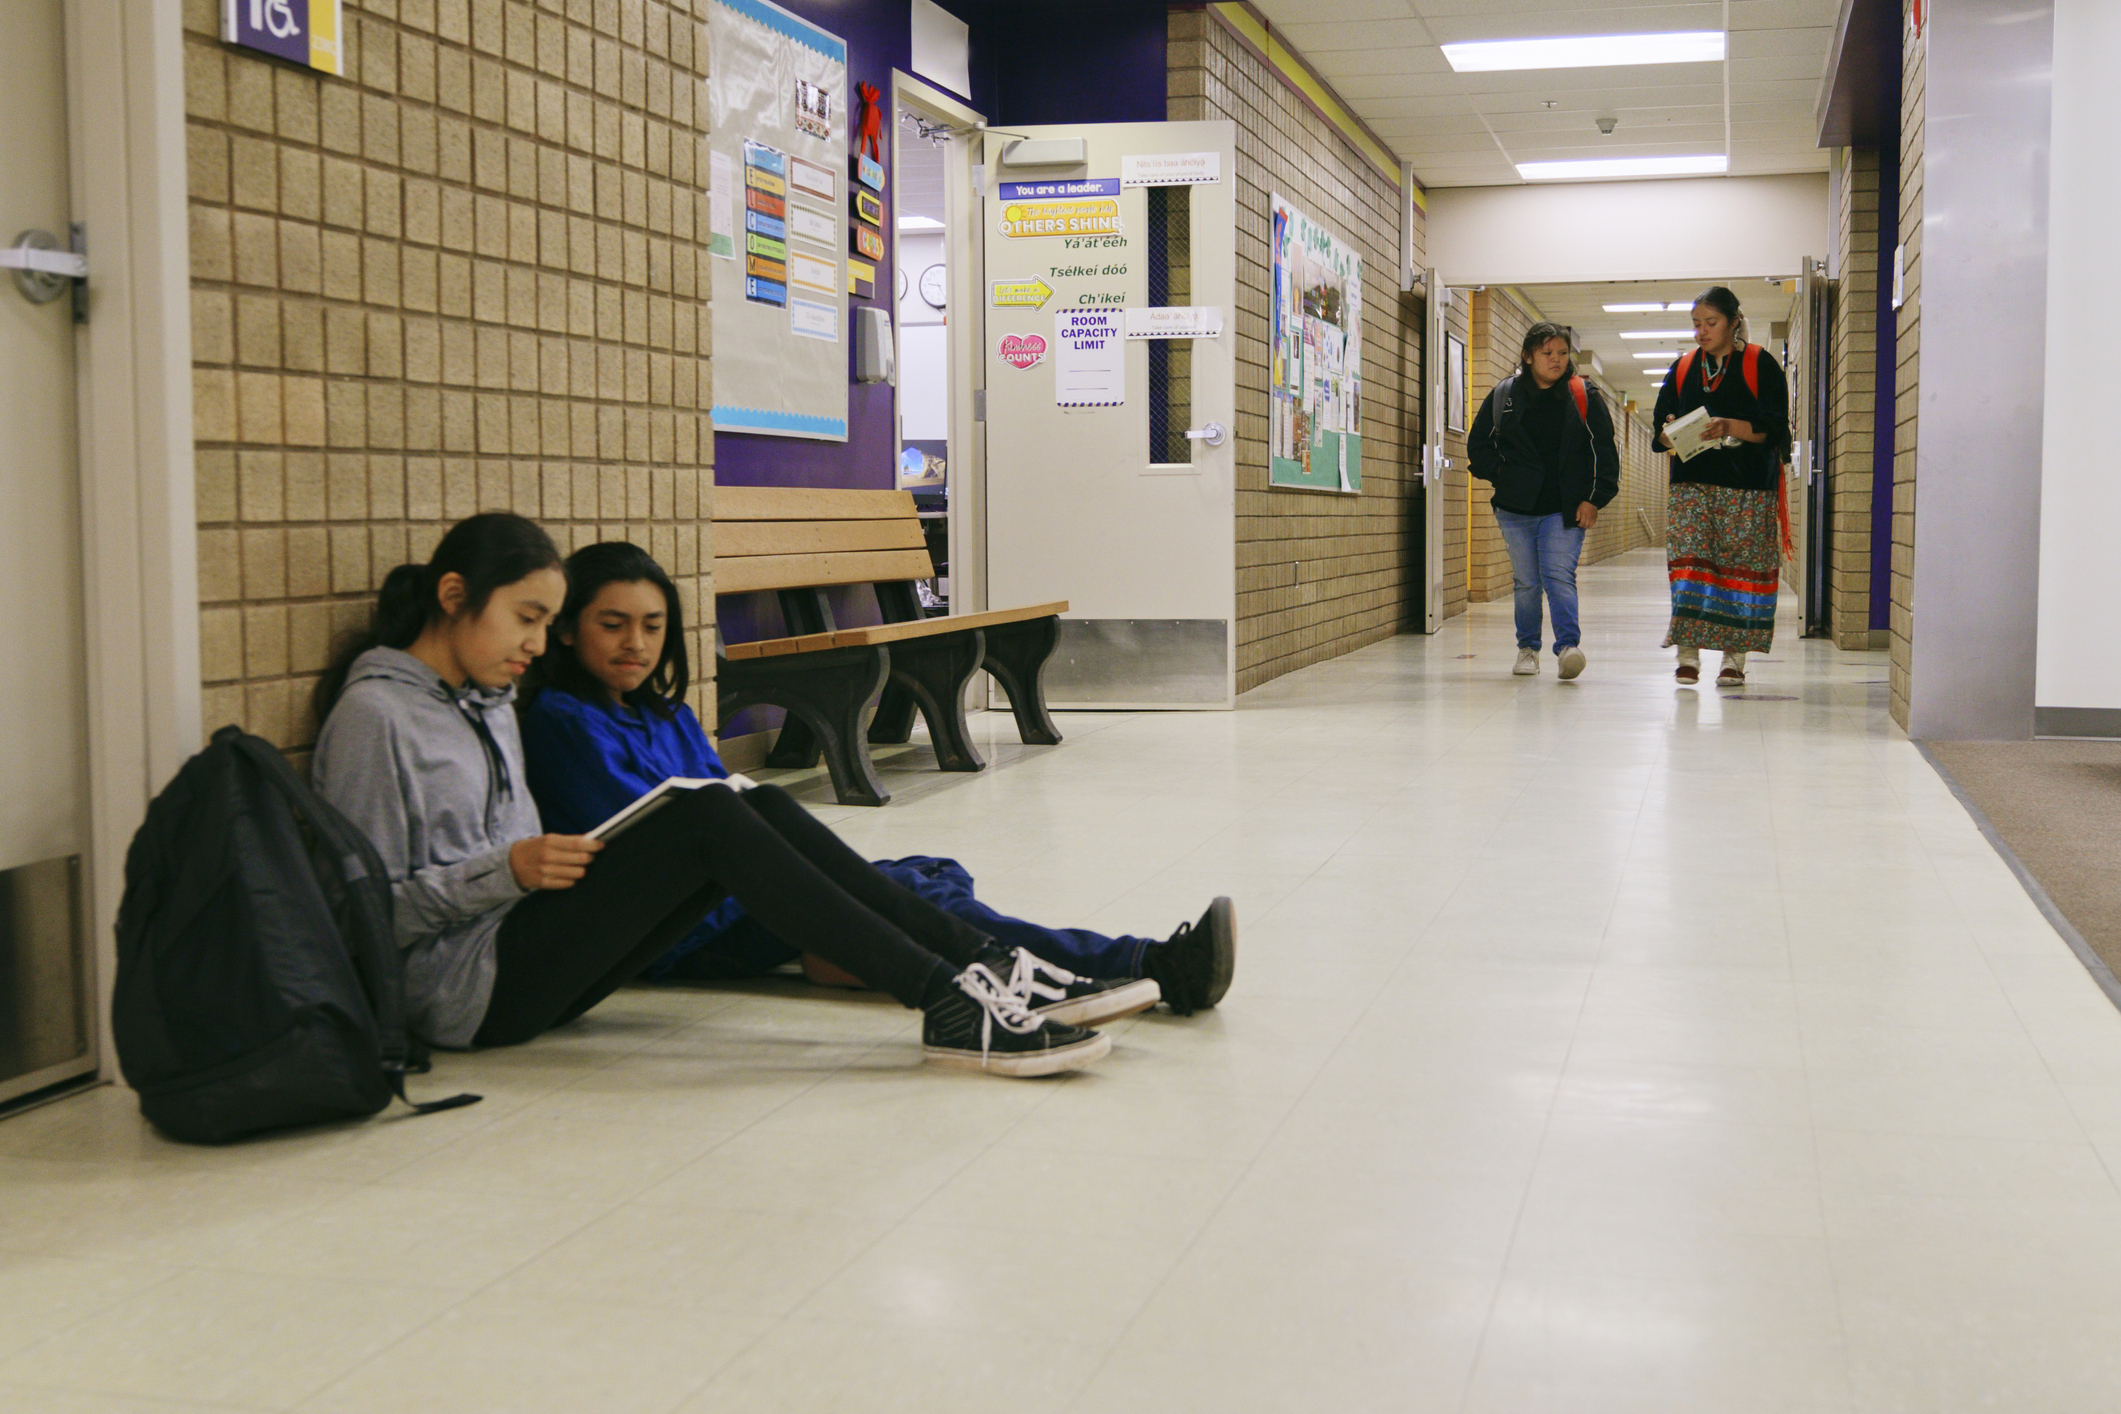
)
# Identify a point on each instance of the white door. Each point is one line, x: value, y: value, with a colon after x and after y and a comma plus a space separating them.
x: 45, y: 1035
x: 1096, y: 492
x: 1433, y: 461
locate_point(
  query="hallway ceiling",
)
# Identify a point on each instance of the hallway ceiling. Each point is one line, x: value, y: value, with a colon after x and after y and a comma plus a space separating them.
x: 1755, y: 106
x: 1582, y: 308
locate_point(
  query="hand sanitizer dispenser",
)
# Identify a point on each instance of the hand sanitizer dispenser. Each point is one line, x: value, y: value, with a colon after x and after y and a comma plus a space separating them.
x: 874, y: 357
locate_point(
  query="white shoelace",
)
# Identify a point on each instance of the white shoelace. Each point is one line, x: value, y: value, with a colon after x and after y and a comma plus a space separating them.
x: 1024, y: 978
x: 997, y: 1003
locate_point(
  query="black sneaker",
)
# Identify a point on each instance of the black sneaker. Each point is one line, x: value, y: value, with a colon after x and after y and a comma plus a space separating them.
x: 1060, y: 995
x: 989, y: 1028
x: 1195, y: 965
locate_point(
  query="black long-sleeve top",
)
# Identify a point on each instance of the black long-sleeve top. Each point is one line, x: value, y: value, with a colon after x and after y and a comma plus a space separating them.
x: 1749, y: 466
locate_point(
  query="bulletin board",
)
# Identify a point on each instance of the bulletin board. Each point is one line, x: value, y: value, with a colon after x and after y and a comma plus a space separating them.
x: 778, y: 222
x: 1316, y: 428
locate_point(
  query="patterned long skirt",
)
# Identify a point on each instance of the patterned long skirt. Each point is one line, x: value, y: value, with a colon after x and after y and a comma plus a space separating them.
x: 1724, y: 553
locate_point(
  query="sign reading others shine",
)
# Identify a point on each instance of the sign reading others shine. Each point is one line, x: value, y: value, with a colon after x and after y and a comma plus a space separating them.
x: 304, y: 32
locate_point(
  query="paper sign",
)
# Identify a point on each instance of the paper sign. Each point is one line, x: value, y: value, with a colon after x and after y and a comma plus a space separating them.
x: 861, y: 279
x: 1021, y: 350
x: 870, y: 172
x: 1087, y: 208
x: 1178, y: 321
x: 813, y: 320
x: 813, y: 179
x: 813, y: 109
x: 765, y: 291
x: 772, y: 227
x: 766, y: 159
x: 1090, y: 358
x: 813, y: 272
x: 869, y: 208
x: 767, y: 246
x: 1171, y: 169
x: 304, y: 32
x: 1021, y: 294
x: 721, y: 206
x: 807, y: 225
x: 867, y: 242
x: 1054, y: 190
x: 759, y: 179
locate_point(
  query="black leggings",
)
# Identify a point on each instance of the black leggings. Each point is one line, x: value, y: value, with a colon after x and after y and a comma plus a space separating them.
x: 561, y: 951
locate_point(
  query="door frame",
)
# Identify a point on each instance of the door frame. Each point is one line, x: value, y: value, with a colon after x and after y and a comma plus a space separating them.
x: 132, y: 371
x: 963, y: 322
x: 1434, y: 463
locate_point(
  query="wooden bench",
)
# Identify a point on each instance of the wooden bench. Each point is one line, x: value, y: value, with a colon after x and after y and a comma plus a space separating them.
x: 844, y: 688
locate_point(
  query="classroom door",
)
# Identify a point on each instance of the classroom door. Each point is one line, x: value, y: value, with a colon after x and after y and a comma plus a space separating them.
x: 1110, y: 291
x: 1434, y: 414
x: 45, y: 1032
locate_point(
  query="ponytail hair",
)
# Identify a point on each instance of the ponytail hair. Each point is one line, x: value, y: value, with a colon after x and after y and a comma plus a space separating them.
x: 1720, y: 299
x: 589, y: 569
x: 489, y: 550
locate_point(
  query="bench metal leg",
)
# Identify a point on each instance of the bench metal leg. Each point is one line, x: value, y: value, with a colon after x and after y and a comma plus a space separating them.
x: 1016, y: 656
x: 931, y: 673
x: 829, y: 698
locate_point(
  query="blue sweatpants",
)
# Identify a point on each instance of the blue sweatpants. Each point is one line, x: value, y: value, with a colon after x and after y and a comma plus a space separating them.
x: 729, y: 943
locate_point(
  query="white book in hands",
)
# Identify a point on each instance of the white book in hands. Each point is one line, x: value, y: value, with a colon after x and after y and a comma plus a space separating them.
x: 654, y: 799
x: 1683, y: 435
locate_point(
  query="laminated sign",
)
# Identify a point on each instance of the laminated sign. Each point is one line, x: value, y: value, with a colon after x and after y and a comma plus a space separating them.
x: 1064, y: 208
x: 304, y: 32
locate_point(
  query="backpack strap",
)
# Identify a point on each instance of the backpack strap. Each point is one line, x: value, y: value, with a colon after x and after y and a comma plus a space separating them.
x: 377, y: 961
x: 1686, y: 366
x: 1752, y: 369
x: 1581, y: 395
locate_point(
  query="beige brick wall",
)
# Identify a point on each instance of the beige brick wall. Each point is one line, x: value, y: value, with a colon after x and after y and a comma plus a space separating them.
x: 1318, y: 575
x: 1855, y: 387
x: 468, y: 276
x: 1909, y: 355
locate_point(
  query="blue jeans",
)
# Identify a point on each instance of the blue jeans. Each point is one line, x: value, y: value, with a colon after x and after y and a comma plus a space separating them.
x: 1543, y: 554
x: 730, y: 943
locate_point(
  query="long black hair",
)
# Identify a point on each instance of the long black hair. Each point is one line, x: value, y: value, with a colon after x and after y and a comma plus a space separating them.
x: 490, y: 550
x: 589, y: 569
x: 1720, y: 299
x: 1537, y: 337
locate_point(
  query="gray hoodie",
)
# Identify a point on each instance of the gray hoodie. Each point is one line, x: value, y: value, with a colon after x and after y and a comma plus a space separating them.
x: 434, y: 777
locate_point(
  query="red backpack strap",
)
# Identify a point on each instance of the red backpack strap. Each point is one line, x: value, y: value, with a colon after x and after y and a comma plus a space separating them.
x: 1752, y: 369
x: 1582, y: 397
x: 1686, y: 366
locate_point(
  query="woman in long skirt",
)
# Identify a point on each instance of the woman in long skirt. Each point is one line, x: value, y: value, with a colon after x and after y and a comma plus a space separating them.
x: 1724, y: 546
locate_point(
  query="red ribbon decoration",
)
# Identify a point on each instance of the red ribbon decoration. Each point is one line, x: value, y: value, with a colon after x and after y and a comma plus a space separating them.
x: 871, y: 140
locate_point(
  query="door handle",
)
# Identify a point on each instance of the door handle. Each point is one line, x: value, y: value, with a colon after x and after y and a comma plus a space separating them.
x: 43, y: 271
x: 1214, y: 434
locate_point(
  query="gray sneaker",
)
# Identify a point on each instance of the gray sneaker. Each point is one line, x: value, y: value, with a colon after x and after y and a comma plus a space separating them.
x: 1527, y: 663
x: 1572, y: 662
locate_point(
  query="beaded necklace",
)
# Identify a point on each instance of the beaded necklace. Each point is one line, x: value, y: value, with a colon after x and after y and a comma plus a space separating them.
x: 1712, y: 372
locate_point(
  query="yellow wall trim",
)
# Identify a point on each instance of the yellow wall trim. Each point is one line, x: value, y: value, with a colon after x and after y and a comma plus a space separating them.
x: 1287, y: 65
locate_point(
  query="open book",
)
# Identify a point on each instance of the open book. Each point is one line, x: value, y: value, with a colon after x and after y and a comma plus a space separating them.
x: 655, y: 799
x: 1683, y: 435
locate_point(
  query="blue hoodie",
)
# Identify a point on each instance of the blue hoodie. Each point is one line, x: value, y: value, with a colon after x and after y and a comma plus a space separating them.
x: 589, y: 760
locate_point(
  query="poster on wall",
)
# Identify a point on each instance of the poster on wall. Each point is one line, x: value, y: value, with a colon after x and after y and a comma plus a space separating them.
x: 1454, y: 388
x: 1315, y: 428
x: 777, y: 100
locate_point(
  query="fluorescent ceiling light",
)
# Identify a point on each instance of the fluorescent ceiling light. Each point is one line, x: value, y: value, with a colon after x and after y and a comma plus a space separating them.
x: 1656, y: 334
x: 1665, y: 354
x: 1586, y: 51
x: 1653, y: 307
x: 1624, y: 167
x: 919, y: 223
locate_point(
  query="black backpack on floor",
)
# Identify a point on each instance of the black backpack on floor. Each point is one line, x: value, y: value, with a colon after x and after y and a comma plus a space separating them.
x: 259, y: 981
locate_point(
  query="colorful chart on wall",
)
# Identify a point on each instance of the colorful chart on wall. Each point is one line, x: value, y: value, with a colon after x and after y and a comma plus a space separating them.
x: 777, y: 101
x: 1316, y: 381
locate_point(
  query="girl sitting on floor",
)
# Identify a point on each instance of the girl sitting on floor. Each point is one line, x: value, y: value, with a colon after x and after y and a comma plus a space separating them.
x: 509, y: 930
x: 607, y: 721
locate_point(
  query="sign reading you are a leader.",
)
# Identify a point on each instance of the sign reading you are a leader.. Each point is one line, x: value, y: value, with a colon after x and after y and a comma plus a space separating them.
x: 304, y: 32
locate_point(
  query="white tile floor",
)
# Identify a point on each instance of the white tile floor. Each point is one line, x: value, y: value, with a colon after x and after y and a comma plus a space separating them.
x: 1602, y: 1046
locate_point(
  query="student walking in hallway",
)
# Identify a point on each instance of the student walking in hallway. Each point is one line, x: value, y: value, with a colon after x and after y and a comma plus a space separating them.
x: 1544, y: 440
x: 1724, y: 546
